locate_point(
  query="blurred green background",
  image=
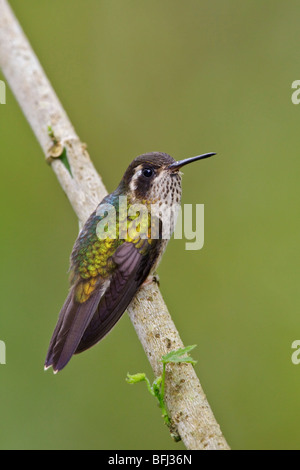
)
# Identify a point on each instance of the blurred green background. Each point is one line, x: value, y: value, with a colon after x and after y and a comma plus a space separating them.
x: 183, y: 78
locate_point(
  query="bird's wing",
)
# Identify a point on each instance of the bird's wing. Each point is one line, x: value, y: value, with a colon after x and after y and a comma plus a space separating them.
x: 93, y: 306
x: 133, y: 266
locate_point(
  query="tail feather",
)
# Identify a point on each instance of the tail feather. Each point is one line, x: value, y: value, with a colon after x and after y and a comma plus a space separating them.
x: 73, y: 321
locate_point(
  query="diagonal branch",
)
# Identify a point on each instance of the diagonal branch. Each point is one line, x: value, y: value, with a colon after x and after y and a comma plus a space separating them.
x: 185, y: 399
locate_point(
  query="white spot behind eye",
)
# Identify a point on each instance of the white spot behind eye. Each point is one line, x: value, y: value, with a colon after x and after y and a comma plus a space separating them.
x: 133, y: 182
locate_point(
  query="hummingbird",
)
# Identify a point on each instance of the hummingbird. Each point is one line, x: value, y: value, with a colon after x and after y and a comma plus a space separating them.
x: 108, y: 266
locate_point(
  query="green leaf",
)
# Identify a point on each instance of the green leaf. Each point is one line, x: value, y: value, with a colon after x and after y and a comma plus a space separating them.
x: 176, y: 356
x: 133, y: 379
x: 65, y: 161
x: 140, y: 377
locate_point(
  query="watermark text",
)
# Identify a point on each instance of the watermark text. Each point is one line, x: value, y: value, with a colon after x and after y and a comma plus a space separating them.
x: 2, y: 352
x: 152, y: 221
x: 296, y: 94
x: 2, y: 92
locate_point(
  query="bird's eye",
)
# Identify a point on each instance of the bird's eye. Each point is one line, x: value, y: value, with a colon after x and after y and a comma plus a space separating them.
x: 147, y: 172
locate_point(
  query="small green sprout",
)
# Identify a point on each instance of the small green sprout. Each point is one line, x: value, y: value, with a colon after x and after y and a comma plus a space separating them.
x: 58, y: 151
x: 157, y: 389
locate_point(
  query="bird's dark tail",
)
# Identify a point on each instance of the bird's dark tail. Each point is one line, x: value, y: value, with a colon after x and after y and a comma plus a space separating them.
x: 72, y: 323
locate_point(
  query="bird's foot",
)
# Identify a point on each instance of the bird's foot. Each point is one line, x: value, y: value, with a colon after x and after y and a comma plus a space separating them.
x: 152, y: 278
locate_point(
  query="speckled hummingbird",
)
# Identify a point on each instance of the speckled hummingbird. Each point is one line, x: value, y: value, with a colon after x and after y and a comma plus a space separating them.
x: 107, y: 271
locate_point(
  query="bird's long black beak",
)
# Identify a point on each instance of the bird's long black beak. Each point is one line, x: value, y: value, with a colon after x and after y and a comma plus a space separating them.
x: 176, y: 165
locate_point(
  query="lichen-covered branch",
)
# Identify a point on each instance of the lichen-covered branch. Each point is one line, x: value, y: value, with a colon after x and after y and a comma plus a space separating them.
x: 186, y: 402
